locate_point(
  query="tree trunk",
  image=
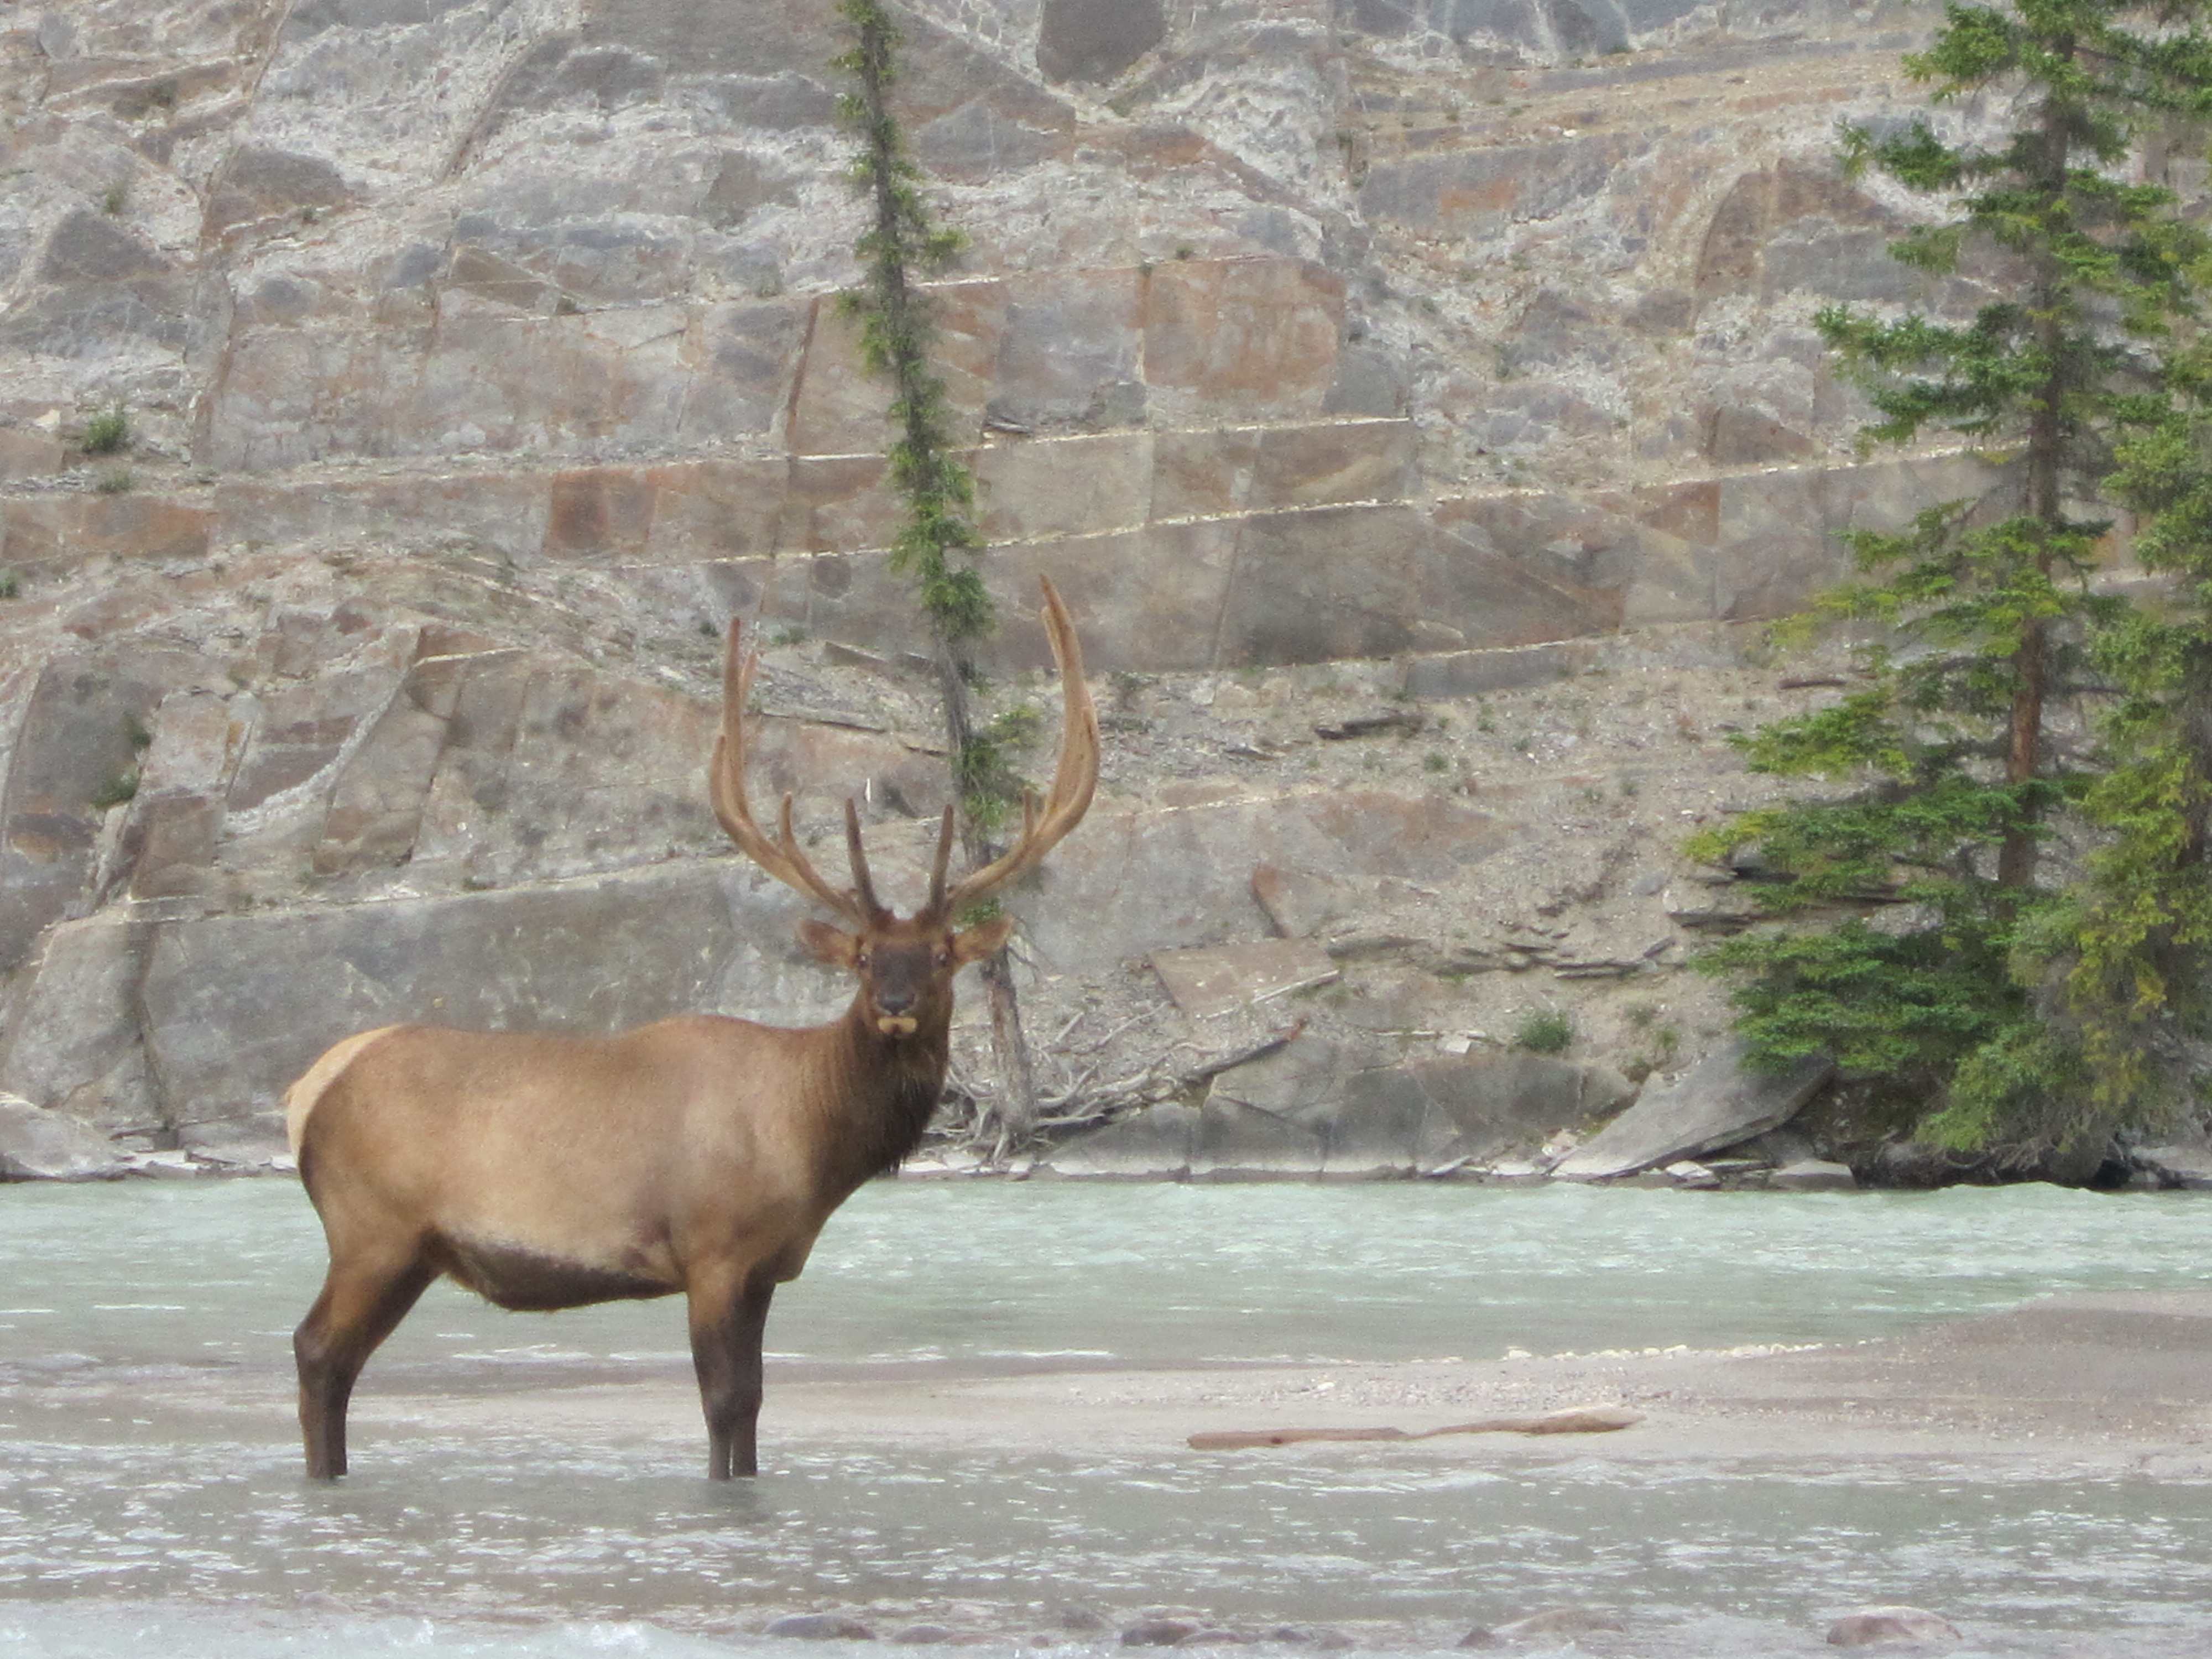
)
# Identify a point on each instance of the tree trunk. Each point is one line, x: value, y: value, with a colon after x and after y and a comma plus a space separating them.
x: 1016, y: 1108
x: 2046, y: 441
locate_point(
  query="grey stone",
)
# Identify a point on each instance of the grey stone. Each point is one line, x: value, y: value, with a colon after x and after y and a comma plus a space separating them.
x: 257, y: 1144
x: 2184, y: 1164
x: 1157, y: 1633
x: 1480, y: 1105
x: 1235, y: 1140
x: 975, y: 143
x: 925, y: 1635
x: 1472, y: 673
x: 1813, y: 1175
x: 1561, y: 1621
x: 1153, y: 1144
x: 1726, y: 908
x: 237, y: 1006
x: 1870, y: 1625
x: 90, y: 247
x: 1301, y: 903
x: 1738, y: 437
x: 73, y: 753
x: 821, y: 1627
x: 74, y: 1043
x: 36, y: 1145
x: 1213, y: 978
x: 1096, y: 40
x: 1716, y: 1103
x: 260, y: 182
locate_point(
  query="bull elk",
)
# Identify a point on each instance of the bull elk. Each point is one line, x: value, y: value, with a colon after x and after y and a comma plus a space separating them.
x: 699, y: 1154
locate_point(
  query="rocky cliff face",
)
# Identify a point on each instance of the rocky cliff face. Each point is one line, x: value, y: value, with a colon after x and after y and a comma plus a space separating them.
x: 1438, y: 358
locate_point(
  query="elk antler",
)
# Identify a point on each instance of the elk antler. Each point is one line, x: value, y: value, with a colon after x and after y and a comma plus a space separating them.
x: 1075, y: 776
x: 781, y: 856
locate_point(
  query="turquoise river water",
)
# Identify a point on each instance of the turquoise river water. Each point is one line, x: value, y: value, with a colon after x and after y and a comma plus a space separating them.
x: 130, y: 1526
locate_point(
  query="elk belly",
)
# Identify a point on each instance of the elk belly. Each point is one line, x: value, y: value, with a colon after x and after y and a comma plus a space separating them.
x: 526, y: 1280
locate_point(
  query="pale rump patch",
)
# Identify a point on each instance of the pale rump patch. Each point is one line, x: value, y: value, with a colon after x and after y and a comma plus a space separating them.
x: 300, y: 1099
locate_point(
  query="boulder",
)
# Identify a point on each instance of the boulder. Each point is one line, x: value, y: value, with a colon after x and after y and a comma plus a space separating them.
x: 1814, y: 1174
x: 1301, y: 903
x: 1236, y: 1141
x: 75, y: 1042
x: 1148, y: 1146
x: 1309, y: 1109
x: 36, y: 1145
x: 1717, y: 1102
x: 2182, y: 1165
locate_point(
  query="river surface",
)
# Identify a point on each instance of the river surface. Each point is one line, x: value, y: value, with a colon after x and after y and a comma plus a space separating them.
x: 150, y: 1497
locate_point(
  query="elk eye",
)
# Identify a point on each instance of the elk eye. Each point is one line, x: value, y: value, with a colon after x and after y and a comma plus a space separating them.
x: 862, y: 960
x: 944, y: 956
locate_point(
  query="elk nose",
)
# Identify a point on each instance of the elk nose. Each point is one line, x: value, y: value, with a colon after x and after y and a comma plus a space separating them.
x: 893, y: 1000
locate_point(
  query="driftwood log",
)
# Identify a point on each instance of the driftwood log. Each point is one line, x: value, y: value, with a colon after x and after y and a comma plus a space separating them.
x: 1575, y: 1419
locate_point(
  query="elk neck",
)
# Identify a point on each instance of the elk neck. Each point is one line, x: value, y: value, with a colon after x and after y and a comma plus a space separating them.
x: 887, y: 1089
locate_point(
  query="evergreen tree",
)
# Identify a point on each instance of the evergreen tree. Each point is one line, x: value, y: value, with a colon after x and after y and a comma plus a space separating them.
x: 1984, y: 606
x: 900, y: 246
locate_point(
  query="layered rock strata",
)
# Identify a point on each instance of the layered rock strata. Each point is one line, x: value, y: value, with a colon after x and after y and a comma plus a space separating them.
x: 480, y: 359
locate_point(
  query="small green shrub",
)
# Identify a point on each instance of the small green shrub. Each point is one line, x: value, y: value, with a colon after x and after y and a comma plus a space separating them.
x: 114, y: 197
x: 115, y: 481
x: 1436, y: 760
x: 107, y: 434
x: 1544, y: 1031
x: 117, y: 790
x: 11, y: 585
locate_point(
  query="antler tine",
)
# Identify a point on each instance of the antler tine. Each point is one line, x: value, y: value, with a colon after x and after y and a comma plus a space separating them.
x: 1075, y: 776
x: 725, y: 778
x: 943, y: 862
x: 862, y: 885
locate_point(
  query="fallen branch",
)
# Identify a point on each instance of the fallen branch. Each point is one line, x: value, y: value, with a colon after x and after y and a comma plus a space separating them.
x: 1575, y: 1419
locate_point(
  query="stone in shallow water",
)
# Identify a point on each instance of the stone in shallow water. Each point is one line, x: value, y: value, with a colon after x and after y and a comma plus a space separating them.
x: 1871, y: 1625
x: 821, y: 1627
x: 1481, y: 1637
x: 1157, y: 1633
x: 1561, y: 1621
x: 925, y: 1635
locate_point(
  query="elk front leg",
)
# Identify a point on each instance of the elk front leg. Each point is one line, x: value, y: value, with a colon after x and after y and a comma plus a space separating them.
x: 728, y: 1318
x: 360, y: 1305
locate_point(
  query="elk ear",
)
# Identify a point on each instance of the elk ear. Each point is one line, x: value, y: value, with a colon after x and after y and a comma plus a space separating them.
x: 983, y: 939
x: 830, y: 944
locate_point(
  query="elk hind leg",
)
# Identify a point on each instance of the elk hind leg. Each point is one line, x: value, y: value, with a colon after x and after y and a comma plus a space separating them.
x: 362, y: 1301
x: 727, y: 1324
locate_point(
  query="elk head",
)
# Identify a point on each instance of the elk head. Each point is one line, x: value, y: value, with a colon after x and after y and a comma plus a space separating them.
x: 906, y: 966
